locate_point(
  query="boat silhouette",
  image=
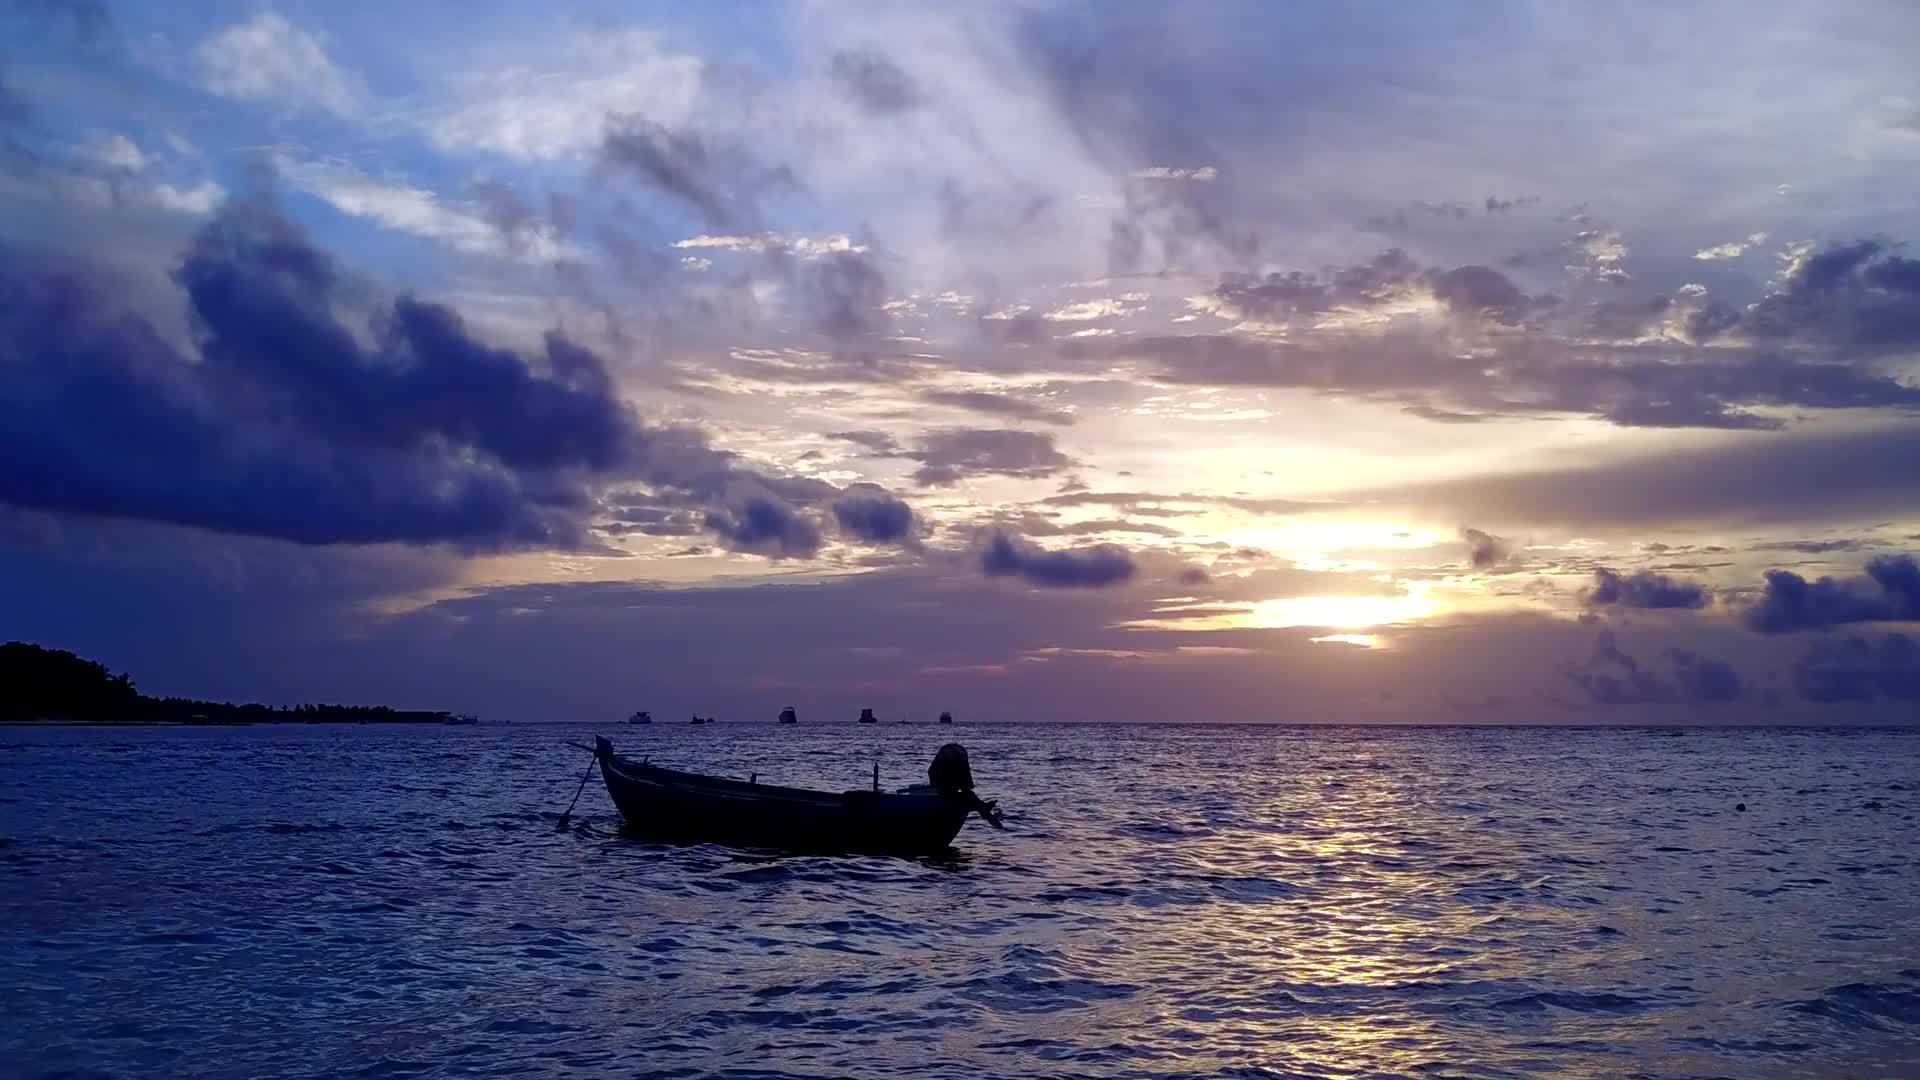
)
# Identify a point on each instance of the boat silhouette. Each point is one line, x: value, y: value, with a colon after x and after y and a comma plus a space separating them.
x: 698, y: 719
x: 946, y: 718
x: 867, y: 717
x: 689, y: 807
x: 641, y: 717
x: 788, y: 716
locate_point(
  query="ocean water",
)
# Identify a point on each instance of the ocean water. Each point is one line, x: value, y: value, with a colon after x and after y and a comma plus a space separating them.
x: 1242, y: 902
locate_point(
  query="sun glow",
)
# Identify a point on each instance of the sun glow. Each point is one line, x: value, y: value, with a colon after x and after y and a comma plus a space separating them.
x: 1344, y: 612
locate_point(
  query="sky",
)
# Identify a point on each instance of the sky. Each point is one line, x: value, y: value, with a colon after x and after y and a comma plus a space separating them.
x: 1506, y: 362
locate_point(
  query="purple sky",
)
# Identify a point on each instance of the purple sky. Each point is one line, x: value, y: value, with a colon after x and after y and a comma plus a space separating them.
x: 1500, y: 363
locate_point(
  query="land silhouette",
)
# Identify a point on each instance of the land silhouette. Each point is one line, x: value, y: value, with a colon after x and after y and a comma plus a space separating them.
x: 41, y: 685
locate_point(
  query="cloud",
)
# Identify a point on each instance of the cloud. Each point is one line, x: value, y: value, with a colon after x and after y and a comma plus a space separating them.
x: 1094, y: 567
x: 1732, y: 249
x: 1485, y: 550
x: 293, y: 423
x: 946, y: 457
x: 877, y: 518
x: 1703, y: 679
x: 558, y: 106
x: 1751, y: 480
x: 1644, y: 589
x: 993, y: 404
x: 1851, y: 296
x: 717, y: 178
x: 500, y: 226
x: 1611, y: 676
x: 766, y: 526
x: 874, y: 82
x: 268, y: 59
x: 1204, y: 174
x: 1857, y: 669
x: 1888, y: 592
x: 806, y: 247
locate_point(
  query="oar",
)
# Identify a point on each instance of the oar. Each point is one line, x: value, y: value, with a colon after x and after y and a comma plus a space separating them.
x: 568, y: 813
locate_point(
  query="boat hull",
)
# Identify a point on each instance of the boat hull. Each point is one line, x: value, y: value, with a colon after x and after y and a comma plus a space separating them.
x: 684, y: 807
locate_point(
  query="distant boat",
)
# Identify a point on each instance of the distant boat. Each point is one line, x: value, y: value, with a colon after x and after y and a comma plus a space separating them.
x: 867, y: 717
x: 788, y: 716
x: 946, y: 718
x: 683, y: 806
x: 463, y: 719
x: 701, y: 720
x: 641, y: 717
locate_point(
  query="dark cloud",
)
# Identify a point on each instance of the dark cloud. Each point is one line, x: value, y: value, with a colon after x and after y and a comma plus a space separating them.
x: 1753, y: 480
x: 1818, y: 547
x: 1857, y: 669
x: 1611, y: 676
x: 844, y: 293
x: 1391, y: 277
x: 874, y: 82
x: 1644, y: 589
x: 981, y: 401
x: 288, y: 425
x: 1485, y: 550
x: 1630, y: 390
x: 720, y: 181
x: 1025, y: 328
x: 503, y: 208
x: 1194, y: 575
x: 948, y: 456
x: 1858, y: 295
x: 875, y: 517
x: 879, y: 442
x: 1703, y: 679
x: 1888, y: 592
x: 766, y: 526
x: 1094, y: 567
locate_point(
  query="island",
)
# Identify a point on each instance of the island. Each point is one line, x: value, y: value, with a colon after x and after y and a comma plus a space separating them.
x: 51, y: 686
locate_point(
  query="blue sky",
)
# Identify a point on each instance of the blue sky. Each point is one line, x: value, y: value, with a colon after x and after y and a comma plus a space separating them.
x: 1512, y: 361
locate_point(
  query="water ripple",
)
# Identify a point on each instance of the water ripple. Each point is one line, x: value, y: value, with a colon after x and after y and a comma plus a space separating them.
x: 1280, y: 902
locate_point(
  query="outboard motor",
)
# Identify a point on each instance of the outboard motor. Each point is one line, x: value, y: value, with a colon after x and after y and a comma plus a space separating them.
x: 952, y: 776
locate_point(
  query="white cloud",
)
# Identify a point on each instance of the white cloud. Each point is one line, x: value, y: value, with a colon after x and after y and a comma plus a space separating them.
x: 413, y: 210
x: 1088, y: 310
x: 1204, y: 174
x: 1731, y: 250
x: 198, y: 200
x: 269, y: 59
x: 115, y: 152
x: 807, y: 247
x: 696, y: 263
x: 560, y: 108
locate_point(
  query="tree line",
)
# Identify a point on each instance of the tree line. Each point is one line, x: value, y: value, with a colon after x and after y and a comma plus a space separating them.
x: 41, y: 684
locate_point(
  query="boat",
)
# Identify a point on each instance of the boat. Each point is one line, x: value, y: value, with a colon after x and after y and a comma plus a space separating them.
x: 867, y: 717
x: 641, y: 717
x: 462, y: 719
x: 698, y: 719
x: 788, y: 716
x: 676, y: 806
x: 946, y: 718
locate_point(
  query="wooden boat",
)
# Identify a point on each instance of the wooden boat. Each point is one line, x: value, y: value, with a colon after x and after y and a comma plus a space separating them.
x: 641, y: 717
x: 867, y: 717
x: 688, y: 807
x: 789, y: 716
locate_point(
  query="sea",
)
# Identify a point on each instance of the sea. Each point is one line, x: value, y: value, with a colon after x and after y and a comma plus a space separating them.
x: 1167, y: 901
